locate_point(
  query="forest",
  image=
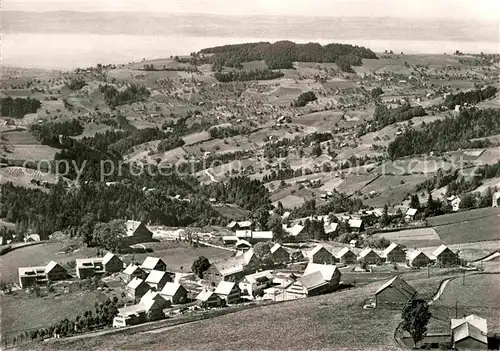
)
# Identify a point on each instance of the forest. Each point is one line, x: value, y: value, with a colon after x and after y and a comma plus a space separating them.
x: 48, y: 132
x: 448, y: 134
x: 18, y: 107
x: 243, y: 76
x: 282, y: 54
x: 470, y: 97
x: 385, y: 116
x: 170, y: 142
x: 131, y: 94
x: 227, y: 131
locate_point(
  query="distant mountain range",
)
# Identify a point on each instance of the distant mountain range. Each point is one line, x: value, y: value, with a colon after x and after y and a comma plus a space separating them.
x: 248, y: 26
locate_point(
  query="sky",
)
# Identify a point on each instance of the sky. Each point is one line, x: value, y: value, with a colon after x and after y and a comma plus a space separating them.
x: 419, y: 9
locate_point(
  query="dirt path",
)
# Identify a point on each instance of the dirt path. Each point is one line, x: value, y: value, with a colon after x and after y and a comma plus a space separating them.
x: 212, y: 178
x: 441, y: 290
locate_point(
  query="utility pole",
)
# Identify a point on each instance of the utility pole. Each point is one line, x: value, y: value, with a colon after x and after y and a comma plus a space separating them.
x: 463, y: 278
x: 456, y: 309
x: 428, y: 271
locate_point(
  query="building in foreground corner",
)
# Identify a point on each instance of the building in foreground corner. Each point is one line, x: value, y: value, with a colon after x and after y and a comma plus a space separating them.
x: 149, y: 308
x: 469, y: 333
x: 30, y: 276
x: 317, y: 279
x: 395, y: 293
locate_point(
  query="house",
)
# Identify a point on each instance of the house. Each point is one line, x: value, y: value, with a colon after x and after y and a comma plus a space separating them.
x: 331, y: 227
x: 154, y: 264
x: 208, y: 298
x: 454, y: 202
x: 394, y: 253
x: 136, y: 288
x: 31, y: 276
x: 395, y: 292
x: 157, y: 279
x: 320, y: 255
x: 255, y: 282
x: 317, y: 279
x: 495, y: 200
x: 136, y: 232
x: 243, y: 225
x: 150, y: 308
x: 32, y: 238
x: 131, y: 272
x: 89, y: 267
x: 346, y: 256
x: 242, y: 245
x: 229, y: 239
x: 410, y: 214
x: 417, y: 258
x: 228, y: 292
x: 175, y: 293
x: 444, y: 256
x: 227, y: 270
x: 296, y: 232
x: 356, y: 225
x: 469, y: 333
x: 369, y: 256
x: 279, y: 254
x: 261, y: 236
x: 112, y: 263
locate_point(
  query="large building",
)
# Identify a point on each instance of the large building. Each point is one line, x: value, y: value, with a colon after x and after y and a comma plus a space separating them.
x: 369, y: 256
x: 394, y: 253
x: 150, y: 308
x: 394, y: 293
x: 175, y: 293
x: 132, y: 271
x: 228, y: 292
x: 346, y: 256
x: 317, y: 279
x: 136, y: 232
x: 279, y: 254
x: 30, y: 276
x: 89, y: 267
x: 417, y: 258
x: 320, y: 255
x: 154, y: 264
x: 137, y: 288
x: 444, y: 256
x: 157, y: 279
x: 469, y: 333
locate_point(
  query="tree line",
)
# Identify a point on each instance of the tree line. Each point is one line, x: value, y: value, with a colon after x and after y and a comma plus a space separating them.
x: 243, y: 76
x: 227, y: 131
x: 18, y: 107
x: 470, y: 97
x: 304, y: 98
x: 130, y: 94
x: 448, y: 134
x: 48, y: 132
x: 385, y: 116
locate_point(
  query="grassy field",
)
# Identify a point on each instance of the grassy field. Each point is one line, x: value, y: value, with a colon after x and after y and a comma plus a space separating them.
x: 479, y: 295
x: 469, y: 251
x: 421, y: 237
x: 468, y: 226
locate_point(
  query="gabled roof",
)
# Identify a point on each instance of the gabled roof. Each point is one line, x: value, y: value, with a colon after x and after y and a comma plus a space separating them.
x: 30, y: 271
x: 254, y: 278
x: 245, y: 224
x: 415, y: 253
x: 312, y: 280
x: 135, y: 283
x: 263, y: 235
x: 242, y: 242
x: 205, y: 295
x: 232, y: 224
x: 151, y: 262
x: 108, y: 257
x: 155, y: 277
x: 170, y: 289
x: 479, y: 323
x: 230, y: 238
x: 132, y: 227
x: 327, y: 270
x: 276, y: 247
x: 51, y: 266
x: 366, y: 252
x: 315, y: 250
x: 150, y: 299
x: 344, y: 251
x: 440, y: 250
x: 224, y: 288
x: 468, y: 329
x: 295, y: 230
x: 411, y: 212
x: 286, y: 214
x: 355, y: 223
x: 247, y: 256
x: 131, y: 269
x: 398, y: 283
x: 230, y: 266
x: 331, y: 227
x: 390, y: 248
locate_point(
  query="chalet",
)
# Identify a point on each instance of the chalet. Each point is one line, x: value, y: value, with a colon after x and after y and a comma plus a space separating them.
x: 444, y: 256
x: 320, y: 255
x: 394, y: 253
x: 395, y: 292
x: 208, y: 298
x: 89, y: 267
x: 346, y: 256
x: 136, y: 288
x: 136, y: 232
x: 296, y: 232
x: 469, y: 333
x: 157, y: 279
x: 356, y: 225
x: 131, y: 272
x: 242, y: 245
x: 279, y: 254
x: 154, y: 264
x: 369, y: 256
x: 255, y: 282
x: 417, y: 258
x: 175, y: 293
x: 112, y: 263
x: 150, y: 308
x: 317, y: 279
x: 228, y: 292
x: 226, y: 270
x: 30, y: 276
x: 410, y: 214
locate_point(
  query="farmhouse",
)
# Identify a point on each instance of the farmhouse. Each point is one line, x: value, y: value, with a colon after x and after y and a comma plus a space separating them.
x: 346, y: 256
x: 257, y: 281
x: 279, y: 254
x: 30, y: 276
x: 136, y: 232
x: 369, y: 256
x: 242, y: 245
x: 317, y: 279
x: 149, y: 308
x: 395, y: 292
x: 243, y: 225
x: 154, y: 264
x: 410, y: 214
x: 417, y: 258
x: 296, y: 232
x: 356, y: 225
x: 228, y: 292
x: 131, y: 272
x: 208, y: 298
x: 254, y: 236
x: 469, y: 333
x: 174, y: 292
x: 394, y: 253
x: 444, y: 256
x: 320, y: 255
x: 158, y: 279
x: 136, y: 288
x: 331, y: 227
x: 89, y: 267
x: 227, y: 270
